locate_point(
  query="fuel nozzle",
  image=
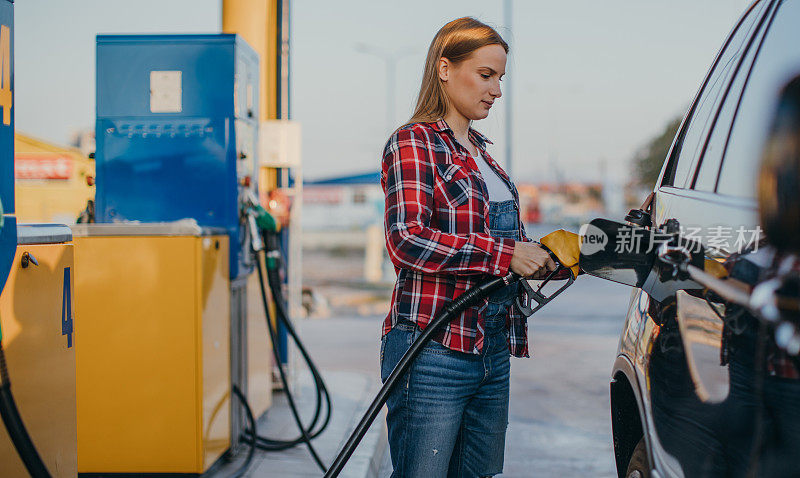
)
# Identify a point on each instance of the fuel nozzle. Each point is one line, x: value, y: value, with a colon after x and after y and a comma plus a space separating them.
x: 564, y: 248
x: 264, y: 220
x: 268, y: 229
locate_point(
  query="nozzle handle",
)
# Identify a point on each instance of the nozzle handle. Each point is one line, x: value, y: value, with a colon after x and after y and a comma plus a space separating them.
x: 535, y: 295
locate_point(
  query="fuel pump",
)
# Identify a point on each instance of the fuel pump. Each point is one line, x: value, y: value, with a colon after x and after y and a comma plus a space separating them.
x: 176, y: 165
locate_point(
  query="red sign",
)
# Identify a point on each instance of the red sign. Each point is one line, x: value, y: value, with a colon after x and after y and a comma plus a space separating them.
x: 42, y: 166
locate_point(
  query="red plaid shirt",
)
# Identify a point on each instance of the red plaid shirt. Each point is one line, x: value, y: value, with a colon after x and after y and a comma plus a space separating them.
x: 437, y: 234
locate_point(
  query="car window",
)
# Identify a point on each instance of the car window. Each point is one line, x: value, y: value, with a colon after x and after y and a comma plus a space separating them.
x: 709, y: 163
x: 777, y: 61
x: 685, y: 152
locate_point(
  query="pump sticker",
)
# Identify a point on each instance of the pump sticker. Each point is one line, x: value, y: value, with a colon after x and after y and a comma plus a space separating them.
x: 166, y: 92
x: 66, y: 308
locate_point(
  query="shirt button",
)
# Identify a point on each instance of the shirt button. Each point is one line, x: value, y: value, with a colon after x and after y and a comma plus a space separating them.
x: 497, y: 271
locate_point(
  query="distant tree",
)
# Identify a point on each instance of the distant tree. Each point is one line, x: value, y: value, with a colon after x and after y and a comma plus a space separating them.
x: 648, y: 160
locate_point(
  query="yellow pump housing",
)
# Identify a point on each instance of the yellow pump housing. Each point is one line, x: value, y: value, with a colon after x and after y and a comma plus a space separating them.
x: 153, y: 367
x: 36, y: 313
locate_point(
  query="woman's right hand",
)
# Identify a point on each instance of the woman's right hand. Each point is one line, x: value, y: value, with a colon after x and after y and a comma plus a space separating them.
x: 531, y: 259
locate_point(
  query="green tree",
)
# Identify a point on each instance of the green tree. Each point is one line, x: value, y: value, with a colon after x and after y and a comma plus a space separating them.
x: 648, y: 160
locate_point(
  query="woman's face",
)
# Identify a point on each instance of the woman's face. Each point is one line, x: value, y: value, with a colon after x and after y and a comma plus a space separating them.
x: 473, y: 84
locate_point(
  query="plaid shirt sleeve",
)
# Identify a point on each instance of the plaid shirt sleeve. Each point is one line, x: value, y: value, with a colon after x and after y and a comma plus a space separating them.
x: 408, y: 181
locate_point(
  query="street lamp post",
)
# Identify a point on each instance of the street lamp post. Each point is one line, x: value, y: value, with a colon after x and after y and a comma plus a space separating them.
x: 509, y: 104
x: 391, y: 59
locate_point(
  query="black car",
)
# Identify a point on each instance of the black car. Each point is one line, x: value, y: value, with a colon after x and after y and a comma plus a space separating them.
x: 696, y: 390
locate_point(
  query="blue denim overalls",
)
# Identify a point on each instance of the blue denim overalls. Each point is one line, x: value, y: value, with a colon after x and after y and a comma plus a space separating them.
x: 503, y: 222
x: 450, y: 418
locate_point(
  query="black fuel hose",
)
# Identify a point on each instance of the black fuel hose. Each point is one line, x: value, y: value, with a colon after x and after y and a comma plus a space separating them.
x: 307, y: 433
x: 273, y: 267
x: 16, y: 428
x: 249, y: 460
x: 451, y: 310
x: 274, y: 263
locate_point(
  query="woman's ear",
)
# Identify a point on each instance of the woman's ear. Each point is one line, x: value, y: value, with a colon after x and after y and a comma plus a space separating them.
x: 444, y: 68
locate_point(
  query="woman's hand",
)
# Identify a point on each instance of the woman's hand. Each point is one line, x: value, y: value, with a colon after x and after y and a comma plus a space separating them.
x: 530, y: 259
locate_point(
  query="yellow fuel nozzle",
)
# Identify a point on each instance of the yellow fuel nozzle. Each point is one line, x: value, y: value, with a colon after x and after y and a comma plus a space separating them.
x: 715, y: 268
x: 566, y: 246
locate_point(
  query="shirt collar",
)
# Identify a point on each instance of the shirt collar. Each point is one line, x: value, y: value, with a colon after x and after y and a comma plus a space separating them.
x: 441, y: 126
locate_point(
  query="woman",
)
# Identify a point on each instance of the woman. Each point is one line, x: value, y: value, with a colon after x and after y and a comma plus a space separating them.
x: 452, y: 220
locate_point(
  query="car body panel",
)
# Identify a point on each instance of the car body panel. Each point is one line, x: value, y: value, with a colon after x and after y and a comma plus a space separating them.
x: 695, y: 406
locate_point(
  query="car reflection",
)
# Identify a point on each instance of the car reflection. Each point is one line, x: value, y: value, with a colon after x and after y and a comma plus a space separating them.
x: 701, y: 330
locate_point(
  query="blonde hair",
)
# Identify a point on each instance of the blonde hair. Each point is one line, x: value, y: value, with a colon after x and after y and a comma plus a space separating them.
x: 456, y: 41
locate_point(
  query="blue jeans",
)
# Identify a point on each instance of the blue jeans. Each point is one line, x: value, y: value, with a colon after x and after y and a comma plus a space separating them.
x: 449, y: 413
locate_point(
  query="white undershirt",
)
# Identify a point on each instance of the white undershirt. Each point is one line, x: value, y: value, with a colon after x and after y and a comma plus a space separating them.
x: 498, y: 190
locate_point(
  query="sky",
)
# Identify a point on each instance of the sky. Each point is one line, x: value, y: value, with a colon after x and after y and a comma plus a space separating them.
x: 591, y: 81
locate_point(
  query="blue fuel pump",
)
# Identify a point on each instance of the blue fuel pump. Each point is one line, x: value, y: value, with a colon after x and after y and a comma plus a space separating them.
x: 177, y: 133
